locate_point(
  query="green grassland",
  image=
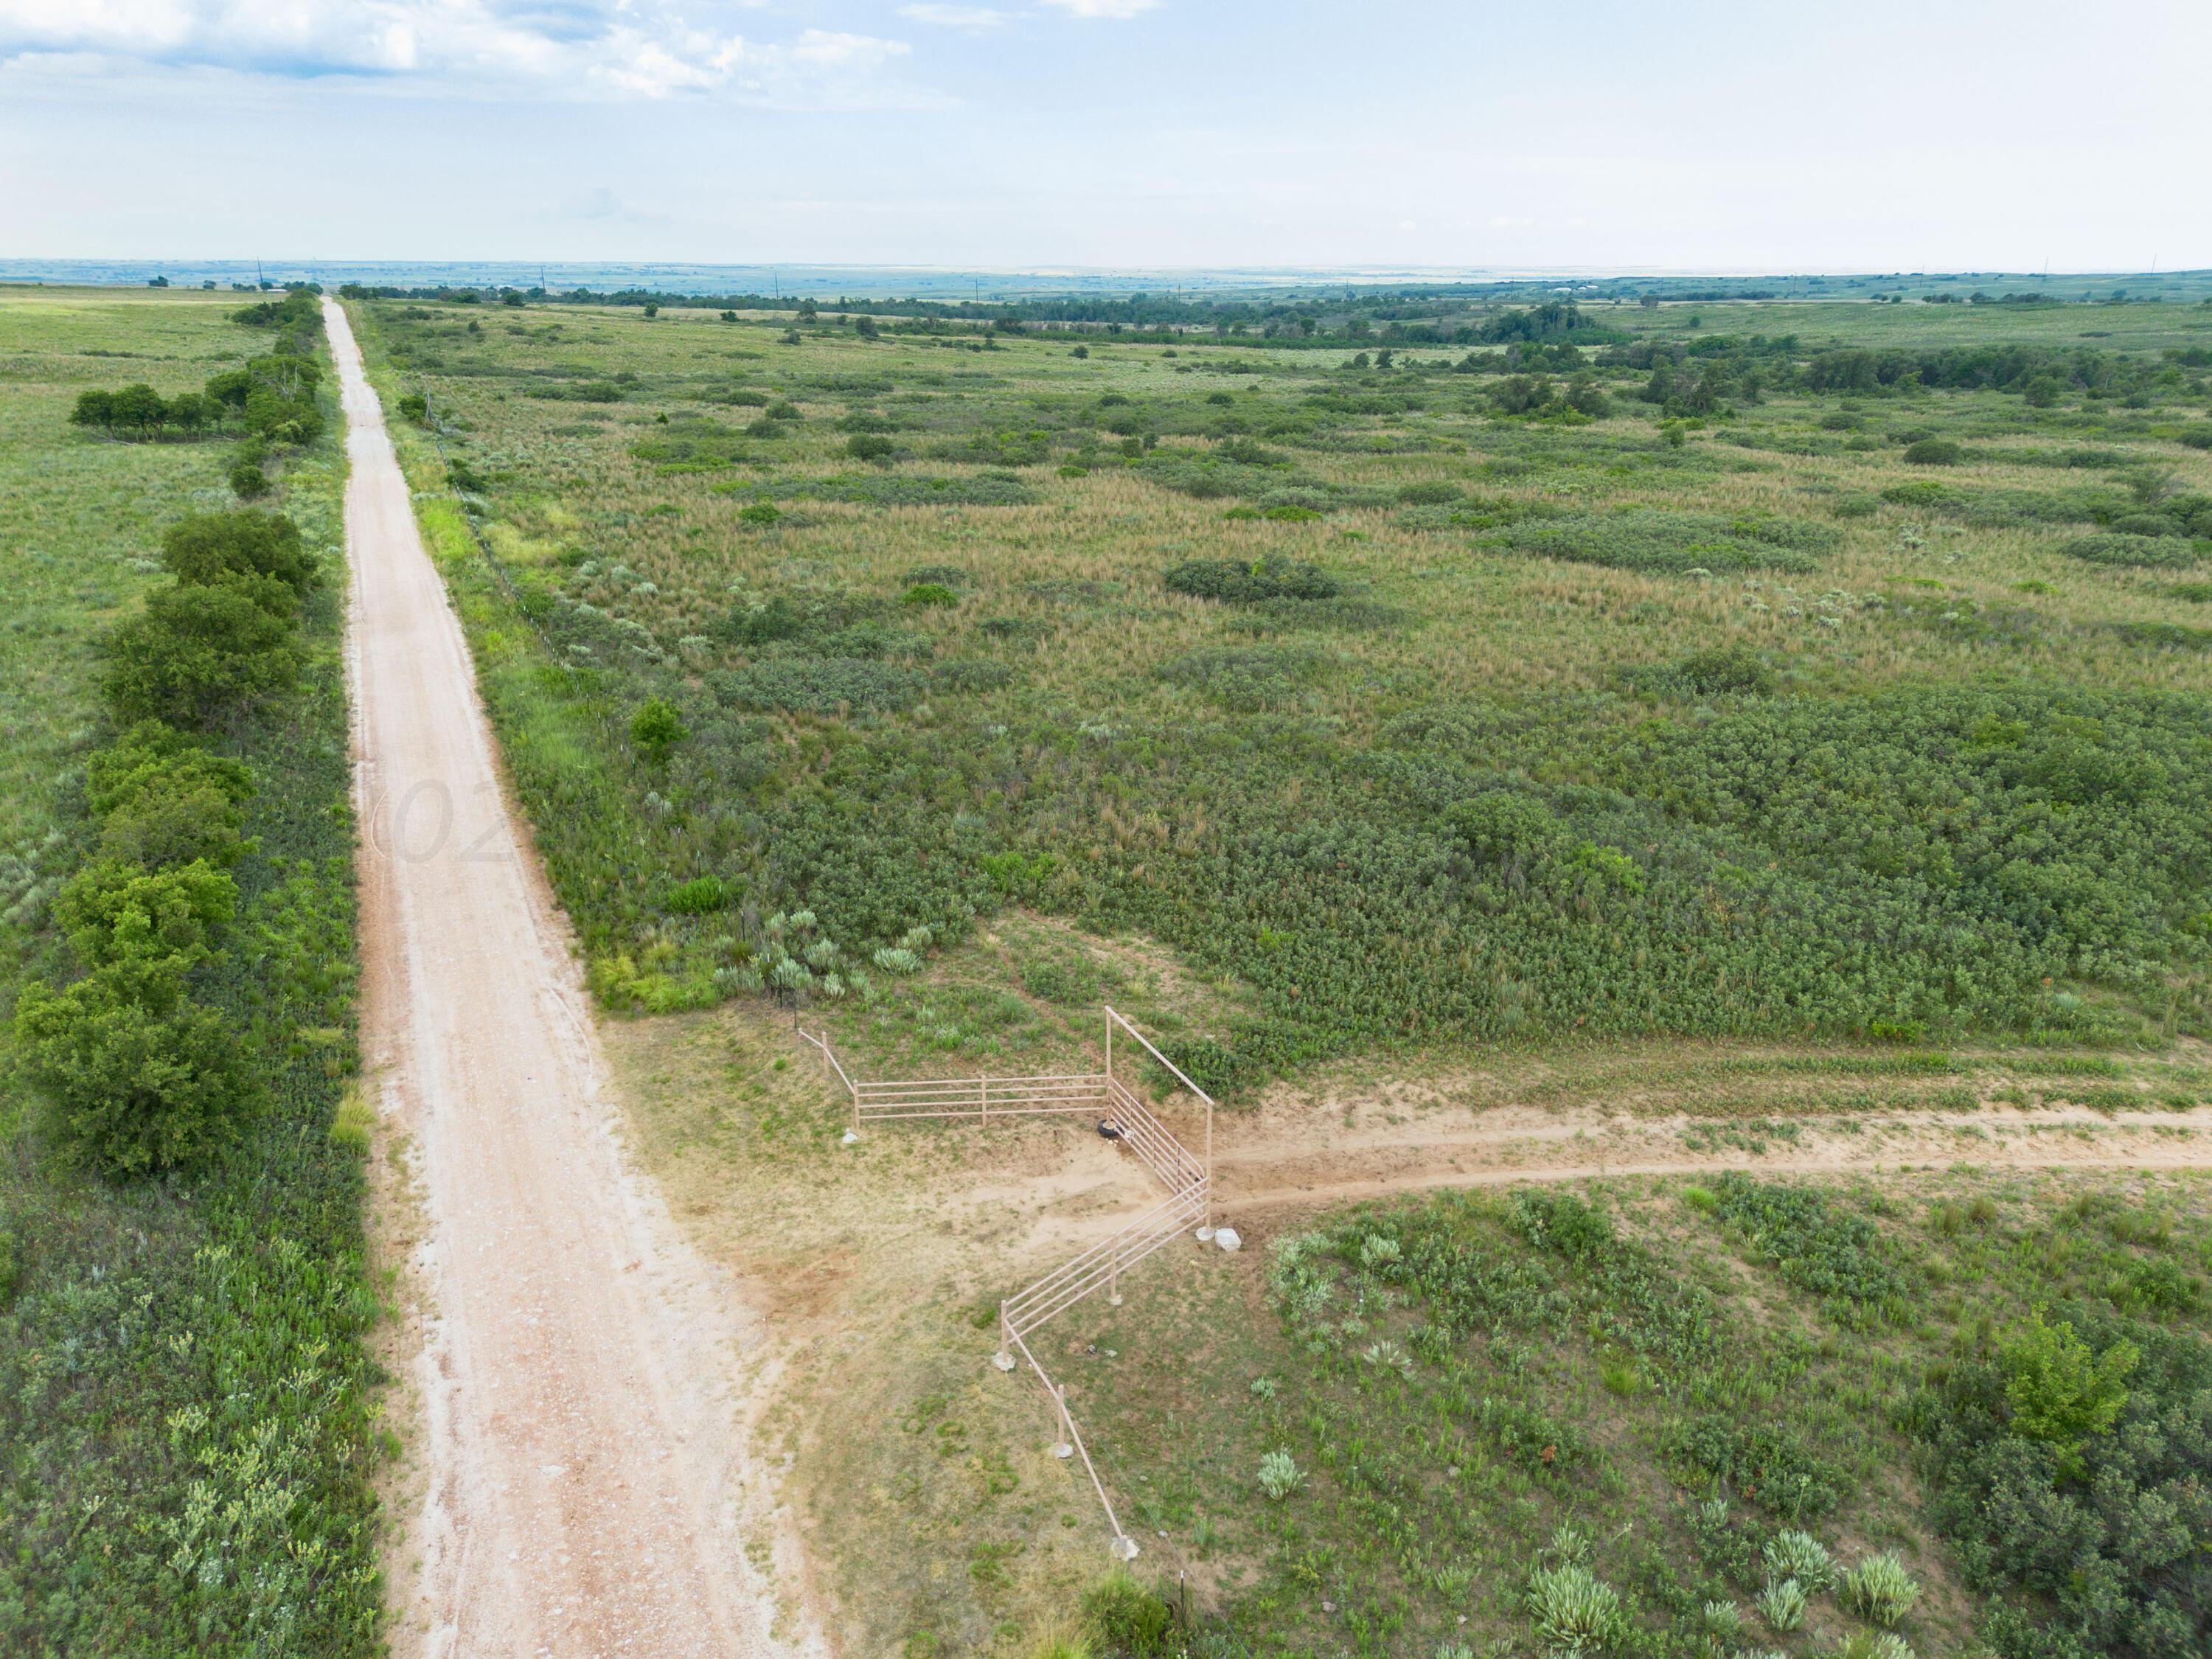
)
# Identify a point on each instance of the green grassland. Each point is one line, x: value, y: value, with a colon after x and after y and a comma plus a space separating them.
x: 1650, y: 1377
x: 1421, y: 722
x: 1654, y: 1381
x: 1710, y: 745
x: 184, y: 1430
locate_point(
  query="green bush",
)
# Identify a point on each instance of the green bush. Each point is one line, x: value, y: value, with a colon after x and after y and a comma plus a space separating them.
x: 161, y: 799
x: 927, y: 595
x: 1248, y: 581
x: 819, y: 685
x: 215, y: 547
x: 656, y: 729
x: 2136, y: 552
x: 1671, y: 544
x: 198, y: 656
x: 115, y: 914
x: 136, y: 1079
x: 1934, y: 452
x: 2060, y: 1393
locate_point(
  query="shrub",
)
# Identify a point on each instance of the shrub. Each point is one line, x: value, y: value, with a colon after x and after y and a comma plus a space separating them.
x: 870, y: 446
x: 2060, y: 1393
x: 1781, y: 1604
x: 249, y: 482
x: 760, y: 512
x: 1880, y: 1589
x: 1278, y: 1475
x: 163, y: 800
x: 1574, y: 1612
x: 2139, y: 552
x: 215, y: 547
x: 929, y: 594
x: 1934, y: 452
x: 119, y: 914
x: 821, y: 685
x: 1766, y: 1461
x: 1247, y: 582
x: 1819, y: 1246
x: 135, y: 1077
x: 198, y: 656
x: 1670, y: 543
x: 1718, y: 670
x: 656, y: 729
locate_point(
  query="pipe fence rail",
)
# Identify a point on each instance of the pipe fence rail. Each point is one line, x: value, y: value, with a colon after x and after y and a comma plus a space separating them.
x: 1188, y: 1176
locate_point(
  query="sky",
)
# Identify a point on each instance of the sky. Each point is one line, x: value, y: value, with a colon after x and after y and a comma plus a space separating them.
x: 1706, y: 135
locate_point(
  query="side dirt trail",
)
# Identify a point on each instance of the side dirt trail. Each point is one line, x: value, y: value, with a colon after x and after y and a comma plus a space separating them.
x: 589, y: 1490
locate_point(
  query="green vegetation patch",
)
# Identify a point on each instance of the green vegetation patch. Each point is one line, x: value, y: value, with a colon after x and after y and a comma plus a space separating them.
x: 1673, y: 544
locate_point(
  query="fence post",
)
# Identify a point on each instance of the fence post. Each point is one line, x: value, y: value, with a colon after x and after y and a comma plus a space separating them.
x: 1003, y: 1359
x: 1067, y: 1446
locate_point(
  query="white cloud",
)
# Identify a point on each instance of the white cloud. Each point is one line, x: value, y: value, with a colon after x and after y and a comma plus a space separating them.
x: 954, y: 17
x: 622, y: 48
x: 1116, y: 8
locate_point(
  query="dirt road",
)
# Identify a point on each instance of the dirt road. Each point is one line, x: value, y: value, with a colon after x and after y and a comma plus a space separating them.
x: 1291, y: 1160
x: 588, y: 1487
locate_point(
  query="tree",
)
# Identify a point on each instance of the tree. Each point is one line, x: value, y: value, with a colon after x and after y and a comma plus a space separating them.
x: 134, y: 1082
x: 117, y: 913
x: 2059, y: 1392
x: 212, y: 547
x: 657, y: 728
x: 197, y: 654
x: 135, y: 1078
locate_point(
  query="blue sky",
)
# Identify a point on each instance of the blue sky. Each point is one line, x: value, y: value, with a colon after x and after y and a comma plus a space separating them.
x: 1869, y: 136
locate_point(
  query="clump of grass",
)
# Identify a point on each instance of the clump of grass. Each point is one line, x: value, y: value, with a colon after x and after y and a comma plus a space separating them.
x: 355, y: 1121
x: 1872, y: 1644
x: 1782, y: 1603
x: 1574, y: 1612
x: 1799, y: 1555
x: 1879, y: 1589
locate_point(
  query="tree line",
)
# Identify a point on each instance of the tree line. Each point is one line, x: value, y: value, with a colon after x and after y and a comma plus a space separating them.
x: 136, y: 1072
x: 269, y: 401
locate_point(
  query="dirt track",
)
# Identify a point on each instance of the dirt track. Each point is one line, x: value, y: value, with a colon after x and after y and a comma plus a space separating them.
x: 1293, y: 1160
x: 588, y: 1490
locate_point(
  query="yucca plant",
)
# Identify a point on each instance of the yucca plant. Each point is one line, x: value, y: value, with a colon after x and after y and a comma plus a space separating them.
x: 1793, y: 1554
x: 1278, y: 1475
x: 1722, y: 1620
x: 1879, y: 1589
x: 1782, y: 1603
x: 1575, y: 1613
x: 1872, y: 1644
x: 895, y: 959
